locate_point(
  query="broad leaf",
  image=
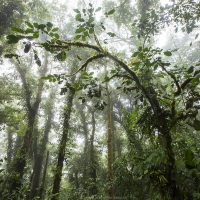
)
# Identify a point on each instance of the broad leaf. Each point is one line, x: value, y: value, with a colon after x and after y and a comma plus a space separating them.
x: 168, y: 53
x: 18, y: 30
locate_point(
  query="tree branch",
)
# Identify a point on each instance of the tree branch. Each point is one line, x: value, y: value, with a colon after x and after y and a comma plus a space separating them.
x: 76, y: 44
x: 150, y: 95
x: 89, y: 60
x: 172, y: 76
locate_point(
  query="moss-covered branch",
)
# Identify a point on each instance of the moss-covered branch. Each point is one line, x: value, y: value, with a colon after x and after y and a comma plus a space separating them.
x: 68, y: 43
x: 89, y: 60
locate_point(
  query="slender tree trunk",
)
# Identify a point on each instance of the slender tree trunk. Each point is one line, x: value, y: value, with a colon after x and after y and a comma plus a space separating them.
x: 111, y: 194
x: 86, y: 145
x: 38, y: 162
x: 93, y: 172
x: 61, y: 148
x: 42, y: 187
x: 9, y: 148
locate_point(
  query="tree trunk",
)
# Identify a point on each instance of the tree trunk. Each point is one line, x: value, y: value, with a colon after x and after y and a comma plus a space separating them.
x: 42, y: 187
x: 9, y: 149
x: 19, y: 161
x: 62, y: 146
x: 111, y: 194
x: 172, y: 186
x: 93, y: 173
x: 174, y: 189
x: 38, y: 160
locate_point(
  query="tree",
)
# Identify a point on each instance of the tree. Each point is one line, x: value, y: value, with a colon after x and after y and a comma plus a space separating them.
x: 162, y: 112
x: 20, y: 159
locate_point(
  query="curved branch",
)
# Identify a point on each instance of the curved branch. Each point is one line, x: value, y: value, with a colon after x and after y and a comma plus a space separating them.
x: 183, y: 85
x: 119, y: 76
x: 89, y: 60
x: 150, y: 94
x: 172, y: 76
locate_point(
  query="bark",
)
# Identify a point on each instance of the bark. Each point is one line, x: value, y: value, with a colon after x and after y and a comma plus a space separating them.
x: 173, y: 187
x: 86, y: 145
x: 62, y: 146
x: 39, y: 156
x: 111, y: 194
x: 93, y: 172
x: 76, y: 181
x: 42, y: 187
x: 9, y: 149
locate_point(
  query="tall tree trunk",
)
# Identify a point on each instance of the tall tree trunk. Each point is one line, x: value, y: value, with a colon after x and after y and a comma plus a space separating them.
x: 19, y: 161
x: 9, y: 148
x: 61, y: 148
x: 86, y: 145
x: 41, y: 150
x: 172, y: 185
x: 93, y: 172
x: 111, y: 194
x: 42, y: 187
x: 172, y: 188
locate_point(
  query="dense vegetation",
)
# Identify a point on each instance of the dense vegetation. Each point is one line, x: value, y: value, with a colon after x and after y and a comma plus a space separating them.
x: 101, y: 103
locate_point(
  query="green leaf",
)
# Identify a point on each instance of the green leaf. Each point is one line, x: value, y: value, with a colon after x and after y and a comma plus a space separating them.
x: 78, y: 17
x: 91, y: 30
x: 77, y: 10
x: 29, y: 30
x: 77, y: 37
x: 18, y: 30
x: 55, y: 29
x: 49, y: 24
x: 168, y: 53
x: 80, y: 30
x: 91, y: 19
x: 11, y: 55
x: 36, y: 35
x: 98, y: 9
x: 36, y: 58
x: 135, y: 54
x: 195, y: 81
x: 61, y: 56
x: 35, y: 25
x: 81, y: 20
x: 189, y: 157
x: 91, y: 10
x: 196, y: 125
x: 13, y: 39
x: 29, y: 24
x: 190, y: 70
x: 41, y: 26
x: 111, y: 12
x: 56, y: 36
x: 86, y: 34
x: 111, y: 34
